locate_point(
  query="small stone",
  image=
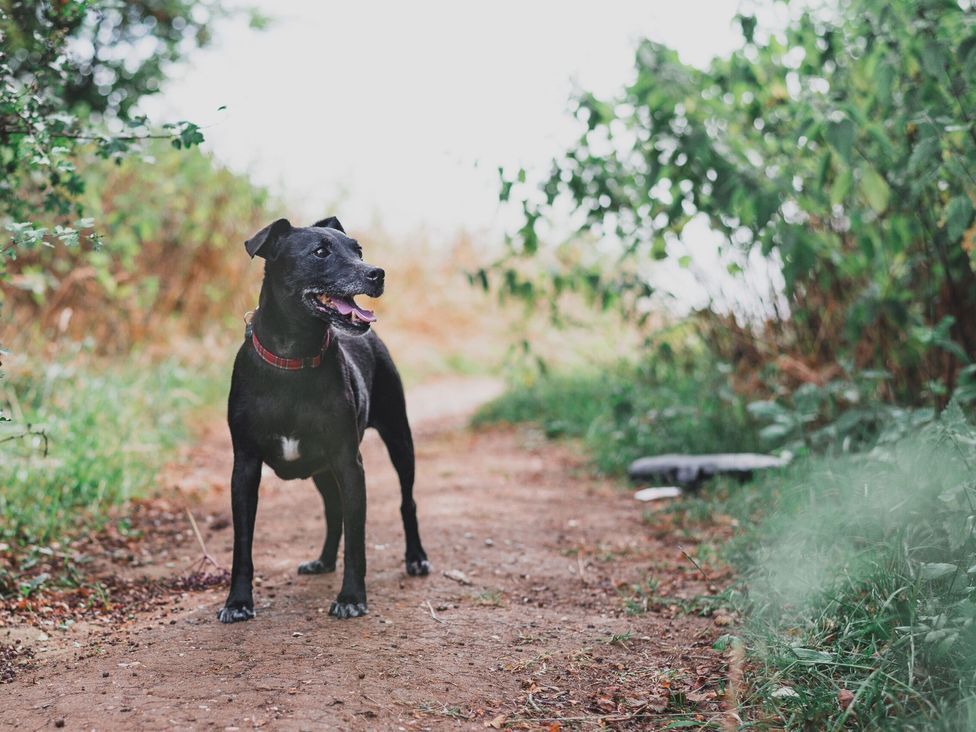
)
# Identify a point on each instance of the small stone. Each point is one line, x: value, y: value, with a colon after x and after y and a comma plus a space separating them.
x: 458, y: 576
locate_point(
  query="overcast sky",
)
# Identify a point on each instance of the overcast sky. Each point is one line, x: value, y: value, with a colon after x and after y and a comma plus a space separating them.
x: 402, y: 112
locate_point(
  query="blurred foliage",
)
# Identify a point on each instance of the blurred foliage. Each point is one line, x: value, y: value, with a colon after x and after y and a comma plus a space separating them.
x: 677, y: 399
x: 70, y: 73
x: 859, y: 578
x: 843, y: 149
x: 172, y: 261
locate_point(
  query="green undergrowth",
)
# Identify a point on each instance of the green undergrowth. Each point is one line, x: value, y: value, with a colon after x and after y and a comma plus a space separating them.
x: 625, y: 411
x: 860, y: 583
x: 85, y: 436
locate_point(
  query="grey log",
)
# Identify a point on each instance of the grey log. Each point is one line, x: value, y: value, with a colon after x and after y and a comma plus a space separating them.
x: 692, y: 470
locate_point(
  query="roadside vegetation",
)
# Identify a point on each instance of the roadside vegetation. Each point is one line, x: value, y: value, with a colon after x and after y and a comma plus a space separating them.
x: 96, y: 437
x: 840, y: 151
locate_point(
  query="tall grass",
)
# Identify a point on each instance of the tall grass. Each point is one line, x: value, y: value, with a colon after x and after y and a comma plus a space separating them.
x: 622, y: 412
x: 107, y: 429
x: 860, y: 573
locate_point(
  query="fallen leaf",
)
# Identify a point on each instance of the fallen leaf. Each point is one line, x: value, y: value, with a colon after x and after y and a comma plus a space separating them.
x: 497, y: 723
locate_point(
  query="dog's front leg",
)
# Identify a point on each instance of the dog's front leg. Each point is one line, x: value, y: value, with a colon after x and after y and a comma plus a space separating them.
x: 351, y: 602
x: 244, y: 505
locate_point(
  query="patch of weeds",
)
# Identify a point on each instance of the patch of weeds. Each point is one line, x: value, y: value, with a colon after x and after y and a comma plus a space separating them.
x: 642, y: 597
x: 451, y: 711
x: 109, y: 431
x: 619, y: 639
x: 490, y: 598
x: 627, y: 411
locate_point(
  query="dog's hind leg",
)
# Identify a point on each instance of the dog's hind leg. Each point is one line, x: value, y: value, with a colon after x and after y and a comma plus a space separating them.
x: 389, y: 417
x: 329, y: 490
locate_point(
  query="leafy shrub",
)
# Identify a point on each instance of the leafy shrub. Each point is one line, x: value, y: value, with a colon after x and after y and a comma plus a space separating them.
x: 840, y: 149
x: 171, y: 258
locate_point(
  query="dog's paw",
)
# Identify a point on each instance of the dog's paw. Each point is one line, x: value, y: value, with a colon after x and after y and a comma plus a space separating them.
x: 316, y: 566
x: 343, y: 610
x: 235, y: 614
x: 418, y: 567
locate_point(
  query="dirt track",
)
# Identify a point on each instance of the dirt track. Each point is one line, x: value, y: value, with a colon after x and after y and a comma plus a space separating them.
x: 539, y: 639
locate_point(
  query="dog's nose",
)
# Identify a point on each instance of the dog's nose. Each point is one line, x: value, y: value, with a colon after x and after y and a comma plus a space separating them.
x: 376, y: 275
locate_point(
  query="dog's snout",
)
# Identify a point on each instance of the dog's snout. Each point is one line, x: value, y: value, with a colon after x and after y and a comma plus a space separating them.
x: 376, y: 275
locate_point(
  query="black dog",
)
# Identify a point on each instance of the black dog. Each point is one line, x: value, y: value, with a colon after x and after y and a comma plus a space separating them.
x: 307, y: 382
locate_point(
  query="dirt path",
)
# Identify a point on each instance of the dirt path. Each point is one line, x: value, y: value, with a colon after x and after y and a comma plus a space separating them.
x: 549, y: 633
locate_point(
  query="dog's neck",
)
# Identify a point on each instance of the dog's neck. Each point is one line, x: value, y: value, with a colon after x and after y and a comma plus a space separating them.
x: 283, y: 334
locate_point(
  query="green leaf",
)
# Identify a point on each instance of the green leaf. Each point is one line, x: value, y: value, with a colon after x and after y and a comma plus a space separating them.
x: 959, y: 213
x: 925, y: 155
x: 936, y: 570
x: 809, y: 655
x: 840, y: 136
x: 875, y: 189
x: 933, y: 60
x: 724, y: 642
x: 841, y: 187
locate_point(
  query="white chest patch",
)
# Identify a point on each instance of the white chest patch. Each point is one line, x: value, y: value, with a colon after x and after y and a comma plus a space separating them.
x: 289, y: 448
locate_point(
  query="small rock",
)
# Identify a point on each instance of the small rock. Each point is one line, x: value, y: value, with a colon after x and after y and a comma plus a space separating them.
x: 654, y: 494
x: 458, y: 576
x: 59, y: 723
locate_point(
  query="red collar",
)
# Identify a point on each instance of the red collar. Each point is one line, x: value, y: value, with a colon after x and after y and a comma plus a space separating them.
x: 291, y: 364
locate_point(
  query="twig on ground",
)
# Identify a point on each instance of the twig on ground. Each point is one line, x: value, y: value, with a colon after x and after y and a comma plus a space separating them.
x: 697, y: 565
x: 432, y: 613
x: 203, y: 547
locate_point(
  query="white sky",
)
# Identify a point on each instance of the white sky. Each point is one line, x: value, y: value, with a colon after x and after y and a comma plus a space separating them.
x: 401, y: 112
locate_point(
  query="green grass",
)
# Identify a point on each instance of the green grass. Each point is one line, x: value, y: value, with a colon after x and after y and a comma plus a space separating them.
x: 857, y: 571
x: 860, y: 577
x: 108, y: 431
x: 624, y: 412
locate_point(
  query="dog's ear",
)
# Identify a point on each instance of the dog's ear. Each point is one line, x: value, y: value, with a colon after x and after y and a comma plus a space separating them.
x: 265, y: 242
x: 330, y: 223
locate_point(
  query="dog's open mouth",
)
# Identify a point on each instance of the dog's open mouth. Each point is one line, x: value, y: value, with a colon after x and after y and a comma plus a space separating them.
x: 345, y: 306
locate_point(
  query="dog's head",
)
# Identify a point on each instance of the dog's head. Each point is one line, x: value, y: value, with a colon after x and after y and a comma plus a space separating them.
x: 317, y: 270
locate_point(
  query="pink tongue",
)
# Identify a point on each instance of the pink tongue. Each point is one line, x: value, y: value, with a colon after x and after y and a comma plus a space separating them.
x: 346, y: 305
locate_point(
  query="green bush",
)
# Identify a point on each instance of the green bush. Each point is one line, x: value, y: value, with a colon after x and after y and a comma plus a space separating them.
x: 841, y: 148
x: 171, y: 258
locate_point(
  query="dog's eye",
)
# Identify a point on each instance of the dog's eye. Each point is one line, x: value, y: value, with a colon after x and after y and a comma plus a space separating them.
x: 321, y: 253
